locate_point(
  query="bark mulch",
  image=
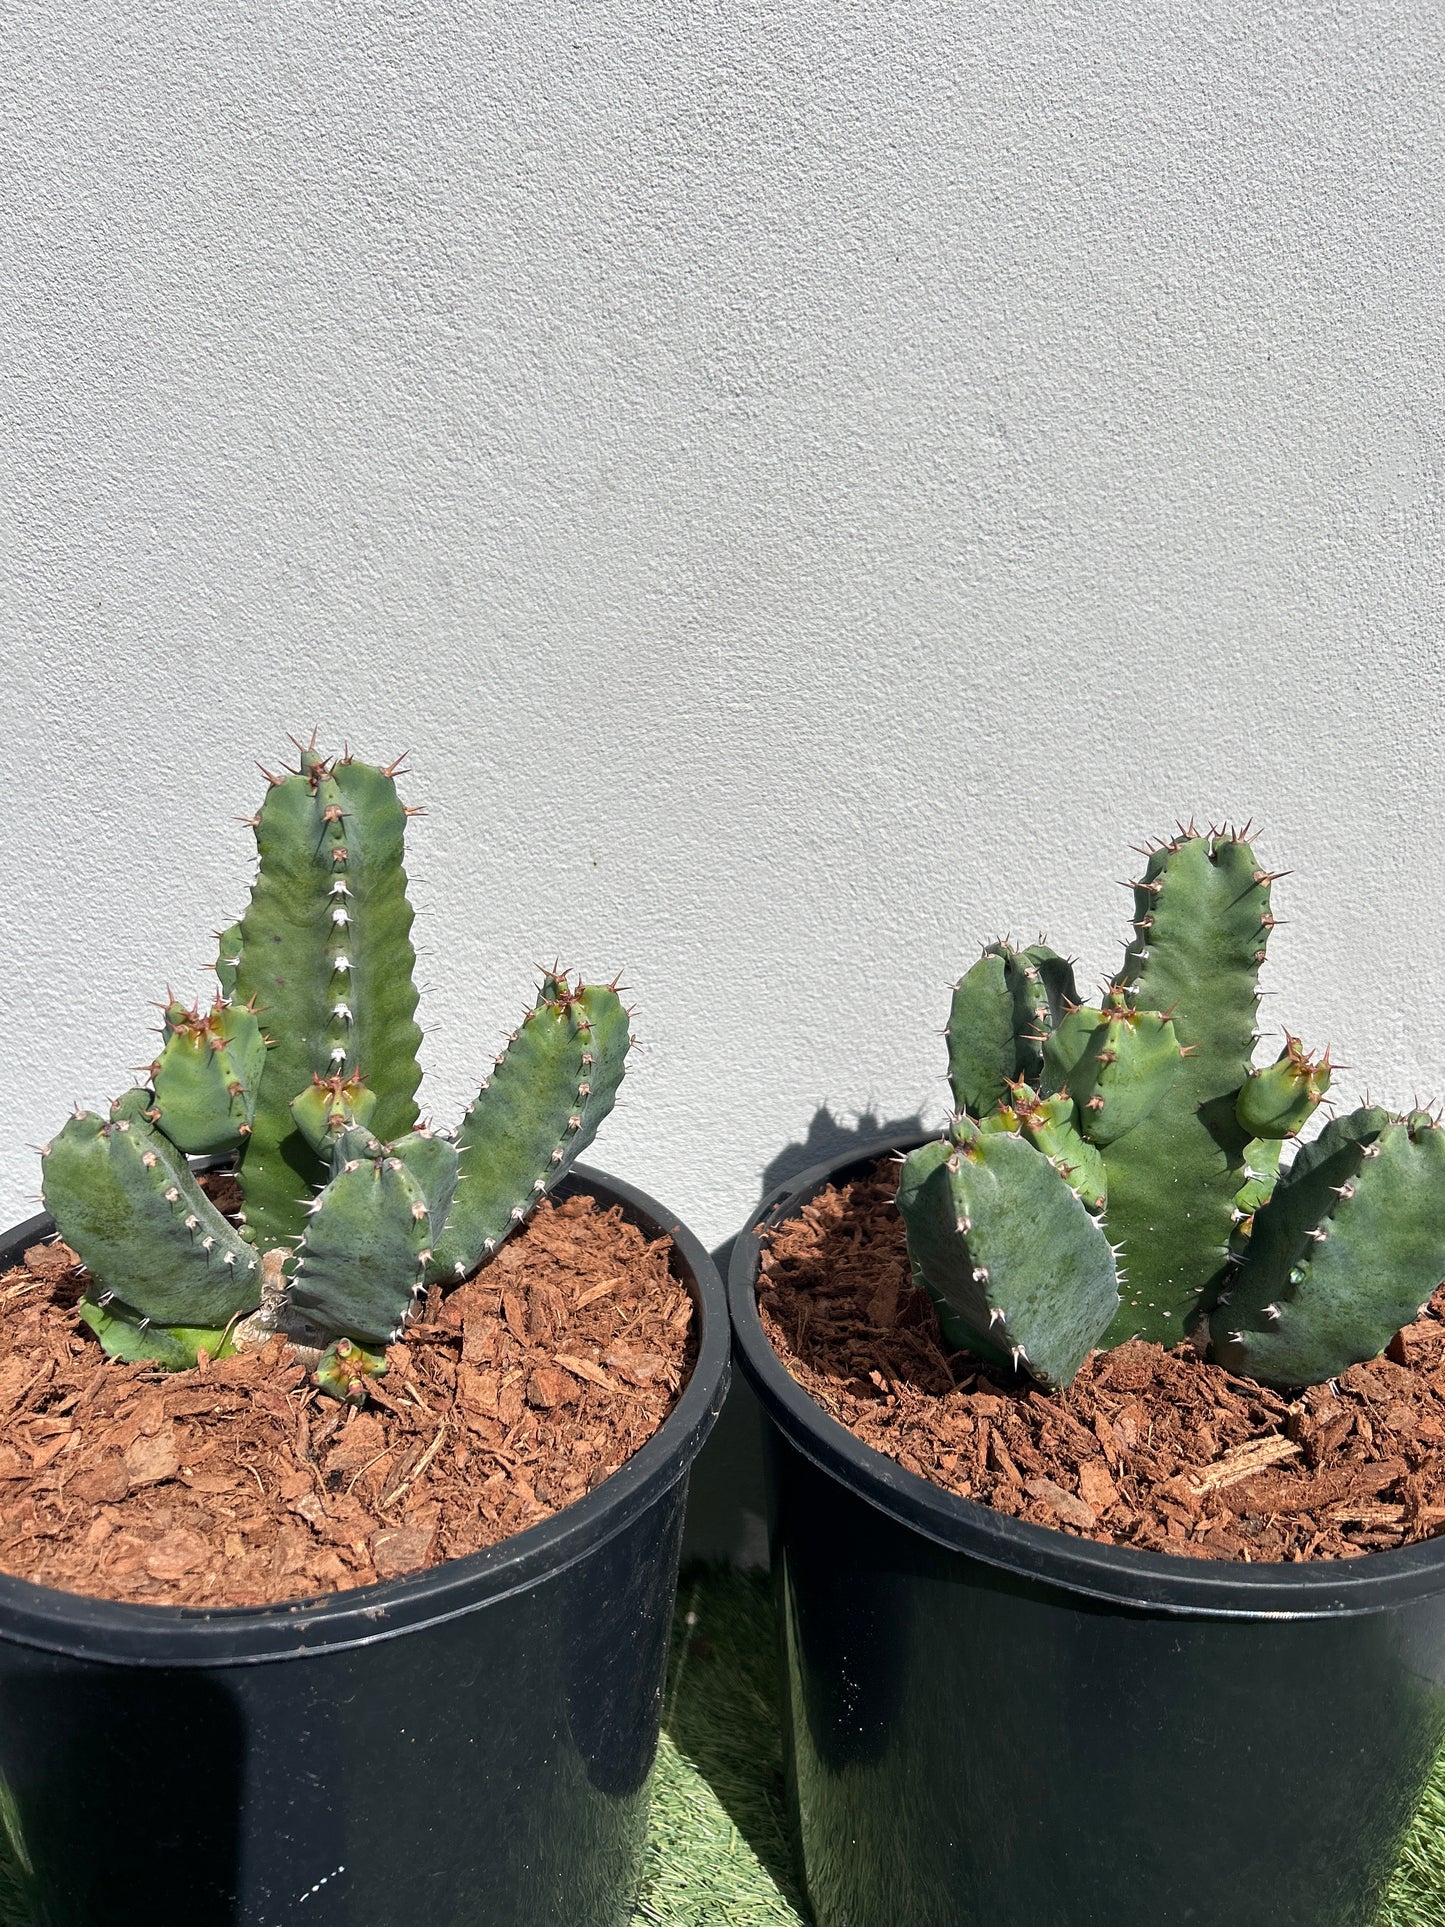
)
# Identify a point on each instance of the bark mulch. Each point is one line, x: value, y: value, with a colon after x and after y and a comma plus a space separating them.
x: 238, y: 1484
x: 1147, y: 1447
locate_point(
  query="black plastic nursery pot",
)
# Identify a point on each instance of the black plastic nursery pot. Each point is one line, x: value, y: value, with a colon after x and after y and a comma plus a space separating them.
x: 993, y: 1722
x: 468, y: 1745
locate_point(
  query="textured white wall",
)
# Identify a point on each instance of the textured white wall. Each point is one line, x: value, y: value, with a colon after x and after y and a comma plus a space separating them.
x: 811, y: 483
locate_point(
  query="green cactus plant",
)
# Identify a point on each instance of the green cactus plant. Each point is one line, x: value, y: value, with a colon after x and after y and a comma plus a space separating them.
x: 1137, y: 1192
x: 306, y: 1068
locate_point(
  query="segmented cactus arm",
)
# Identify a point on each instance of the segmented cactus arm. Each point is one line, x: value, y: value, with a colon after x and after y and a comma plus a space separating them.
x: 1008, y: 1250
x: 1326, y: 1288
x: 326, y: 957
x: 1202, y: 922
x: 551, y: 1087
x: 125, y: 1199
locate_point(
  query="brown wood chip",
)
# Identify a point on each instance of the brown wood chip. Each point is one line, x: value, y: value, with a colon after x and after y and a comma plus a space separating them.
x: 152, y: 1458
x: 584, y: 1368
x: 1071, y: 1509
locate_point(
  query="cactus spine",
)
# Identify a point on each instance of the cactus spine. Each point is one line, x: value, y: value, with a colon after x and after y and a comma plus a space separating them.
x: 349, y: 1207
x: 1139, y: 1195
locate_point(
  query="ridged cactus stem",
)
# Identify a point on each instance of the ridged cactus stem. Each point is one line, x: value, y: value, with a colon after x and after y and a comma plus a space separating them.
x: 1347, y: 1250
x: 550, y: 1089
x: 1021, y: 1273
x: 326, y: 958
x: 126, y: 1200
x: 1202, y: 919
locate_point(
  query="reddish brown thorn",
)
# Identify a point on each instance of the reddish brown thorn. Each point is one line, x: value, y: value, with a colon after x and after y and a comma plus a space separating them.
x: 413, y: 809
x: 394, y: 768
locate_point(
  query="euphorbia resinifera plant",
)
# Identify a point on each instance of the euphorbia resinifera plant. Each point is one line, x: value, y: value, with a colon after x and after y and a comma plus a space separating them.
x: 306, y: 1068
x: 1112, y: 1171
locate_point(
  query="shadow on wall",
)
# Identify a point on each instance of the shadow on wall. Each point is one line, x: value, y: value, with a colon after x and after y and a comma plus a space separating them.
x: 727, y: 1499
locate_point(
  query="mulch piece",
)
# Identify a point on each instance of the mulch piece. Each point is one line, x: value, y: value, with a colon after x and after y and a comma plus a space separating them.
x: 238, y: 1484
x: 1147, y: 1447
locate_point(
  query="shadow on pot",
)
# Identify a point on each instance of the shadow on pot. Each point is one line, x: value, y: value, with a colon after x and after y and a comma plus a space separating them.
x: 727, y: 1503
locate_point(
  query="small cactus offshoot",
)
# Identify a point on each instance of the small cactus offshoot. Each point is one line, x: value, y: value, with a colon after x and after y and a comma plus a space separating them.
x: 305, y: 1067
x: 1137, y: 1191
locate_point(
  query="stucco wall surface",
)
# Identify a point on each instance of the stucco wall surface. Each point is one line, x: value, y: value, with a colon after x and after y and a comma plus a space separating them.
x: 809, y: 483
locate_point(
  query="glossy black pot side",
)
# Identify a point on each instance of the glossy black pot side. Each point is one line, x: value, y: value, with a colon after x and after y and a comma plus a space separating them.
x: 466, y: 1747
x: 991, y: 1722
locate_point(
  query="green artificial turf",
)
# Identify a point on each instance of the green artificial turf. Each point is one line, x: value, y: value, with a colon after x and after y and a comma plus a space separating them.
x: 719, y: 1854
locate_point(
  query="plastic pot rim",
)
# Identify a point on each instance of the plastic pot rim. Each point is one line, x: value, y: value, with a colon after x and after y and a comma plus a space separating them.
x: 1156, y: 1583
x: 123, y: 1633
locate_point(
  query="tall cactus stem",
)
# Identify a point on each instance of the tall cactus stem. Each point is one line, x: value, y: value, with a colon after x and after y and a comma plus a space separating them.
x: 1172, y: 1183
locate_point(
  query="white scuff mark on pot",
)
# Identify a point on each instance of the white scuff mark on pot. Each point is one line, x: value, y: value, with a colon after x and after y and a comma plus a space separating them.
x: 321, y: 1883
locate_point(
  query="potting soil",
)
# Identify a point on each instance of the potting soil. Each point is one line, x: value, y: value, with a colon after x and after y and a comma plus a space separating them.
x: 239, y: 1484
